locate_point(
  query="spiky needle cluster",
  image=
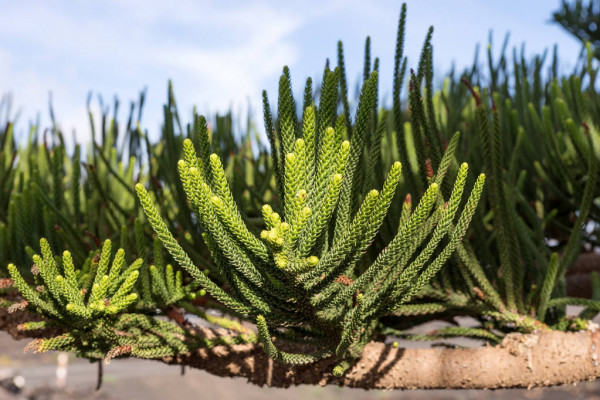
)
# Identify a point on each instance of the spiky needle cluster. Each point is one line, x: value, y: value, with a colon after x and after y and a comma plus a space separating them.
x: 334, y: 255
x: 299, y: 280
x: 98, y: 312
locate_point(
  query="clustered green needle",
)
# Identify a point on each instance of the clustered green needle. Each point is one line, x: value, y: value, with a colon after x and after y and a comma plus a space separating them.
x: 353, y: 222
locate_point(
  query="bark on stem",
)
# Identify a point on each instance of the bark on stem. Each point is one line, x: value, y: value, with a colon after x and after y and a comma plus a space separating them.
x: 540, y: 359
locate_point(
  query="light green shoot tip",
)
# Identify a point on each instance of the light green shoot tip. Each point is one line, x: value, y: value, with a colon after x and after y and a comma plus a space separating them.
x: 281, y: 263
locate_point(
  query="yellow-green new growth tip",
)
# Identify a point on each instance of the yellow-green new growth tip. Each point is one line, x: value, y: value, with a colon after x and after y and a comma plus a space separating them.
x: 340, y: 369
x: 312, y: 261
x: 284, y: 228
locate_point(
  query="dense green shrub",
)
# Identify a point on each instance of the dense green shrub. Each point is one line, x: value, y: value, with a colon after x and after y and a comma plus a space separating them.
x: 316, y: 239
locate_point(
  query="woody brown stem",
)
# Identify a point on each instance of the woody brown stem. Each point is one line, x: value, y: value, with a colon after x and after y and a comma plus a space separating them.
x: 539, y: 359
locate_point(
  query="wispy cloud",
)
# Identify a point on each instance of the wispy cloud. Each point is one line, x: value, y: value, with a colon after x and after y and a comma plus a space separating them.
x: 221, y: 53
x: 217, y: 55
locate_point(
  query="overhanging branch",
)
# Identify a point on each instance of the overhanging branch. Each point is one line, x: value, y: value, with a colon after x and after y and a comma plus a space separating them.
x: 543, y: 359
x: 540, y: 359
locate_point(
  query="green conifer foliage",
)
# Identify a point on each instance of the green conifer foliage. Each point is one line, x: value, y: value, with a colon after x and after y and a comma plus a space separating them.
x: 97, y: 309
x: 300, y: 275
x: 580, y: 18
x: 348, y: 228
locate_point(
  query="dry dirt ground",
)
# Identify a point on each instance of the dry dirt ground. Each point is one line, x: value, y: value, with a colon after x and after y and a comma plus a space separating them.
x: 151, y: 380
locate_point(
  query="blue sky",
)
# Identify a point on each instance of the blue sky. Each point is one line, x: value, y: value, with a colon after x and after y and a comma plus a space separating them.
x: 221, y: 54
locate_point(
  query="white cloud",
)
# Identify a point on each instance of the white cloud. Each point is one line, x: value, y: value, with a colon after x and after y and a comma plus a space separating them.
x: 119, y: 47
x: 220, y: 53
